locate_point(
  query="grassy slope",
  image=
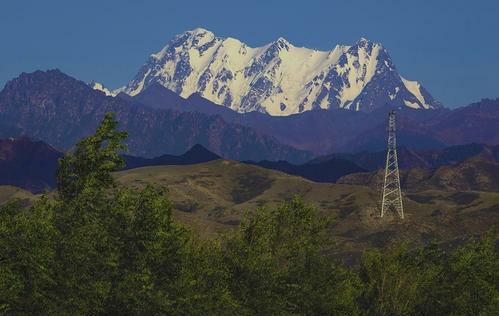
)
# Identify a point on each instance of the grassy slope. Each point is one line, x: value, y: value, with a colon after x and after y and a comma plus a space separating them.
x: 214, y: 196
x: 8, y: 192
x: 475, y: 173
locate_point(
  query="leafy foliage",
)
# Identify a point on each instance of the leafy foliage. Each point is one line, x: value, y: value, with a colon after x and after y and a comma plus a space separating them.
x: 278, y: 264
x: 98, y: 249
x: 91, y: 164
x: 27, y: 265
x: 430, y: 281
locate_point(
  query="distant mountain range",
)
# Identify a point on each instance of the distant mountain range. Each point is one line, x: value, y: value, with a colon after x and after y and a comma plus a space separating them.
x: 349, y: 168
x: 278, y: 78
x: 32, y: 165
x: 472, y: 167
x: 326, y: 131
x: 59, y: 110
x: 412, y: 158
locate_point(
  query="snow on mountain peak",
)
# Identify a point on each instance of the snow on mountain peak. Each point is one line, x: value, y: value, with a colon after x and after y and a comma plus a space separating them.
x: 100, y: 87
x: 279, y: 78
x: 282, y: 42
x: 363, y: 40
x: 200, y: 30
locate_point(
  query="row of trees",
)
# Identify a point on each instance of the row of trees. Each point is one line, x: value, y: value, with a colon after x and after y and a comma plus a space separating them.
x: 99, y: 249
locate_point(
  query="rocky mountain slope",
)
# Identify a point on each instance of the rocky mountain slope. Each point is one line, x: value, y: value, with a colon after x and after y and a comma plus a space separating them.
x: 278, y: 78
x: 326, y: 131
x: 320, y: 131
x: 60, y: 110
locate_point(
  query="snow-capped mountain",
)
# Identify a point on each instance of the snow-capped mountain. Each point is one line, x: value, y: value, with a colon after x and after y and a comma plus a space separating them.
x: 279, y: 78
x: 99, y: 86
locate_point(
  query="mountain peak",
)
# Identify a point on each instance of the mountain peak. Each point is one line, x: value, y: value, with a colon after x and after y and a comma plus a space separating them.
x: 282, y: 40
x: 282, y: 43
x: 195, y: 38
x: 200, y: 32
x: 367, y: 43
x: 279, y: 78
x: 100, y: 87
x: 27, y: 163
x: 199, y: 152
x: 38, y: 78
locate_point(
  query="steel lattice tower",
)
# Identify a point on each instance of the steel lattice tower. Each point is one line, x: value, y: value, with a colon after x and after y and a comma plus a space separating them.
x: 392, y: 194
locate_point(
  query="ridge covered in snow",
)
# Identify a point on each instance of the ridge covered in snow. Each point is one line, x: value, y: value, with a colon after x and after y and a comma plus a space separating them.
x: 99, y: 86
x: 278, y: 78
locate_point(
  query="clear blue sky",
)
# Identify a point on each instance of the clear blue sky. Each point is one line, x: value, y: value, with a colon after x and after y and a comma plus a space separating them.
x: 452, y: 47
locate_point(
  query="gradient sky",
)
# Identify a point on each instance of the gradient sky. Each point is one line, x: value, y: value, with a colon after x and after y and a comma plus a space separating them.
x: 451, y: 47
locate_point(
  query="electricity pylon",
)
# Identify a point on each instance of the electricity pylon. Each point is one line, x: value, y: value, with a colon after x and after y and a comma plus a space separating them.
x: 392, y: 194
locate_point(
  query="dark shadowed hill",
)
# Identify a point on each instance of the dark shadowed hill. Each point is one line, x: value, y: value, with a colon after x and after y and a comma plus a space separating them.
x: 413, y: 158
x: 32, y: 165
x: 197, y: 154
x: 325, y: 171
x: 475, y: 123
x: 28, y: 164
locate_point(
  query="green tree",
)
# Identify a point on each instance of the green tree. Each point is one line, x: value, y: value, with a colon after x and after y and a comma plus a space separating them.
x: 398, y: 281
x: 27, y: 260
x: 88, y: 251
x: 87, y: 170
x: 278, y: 265
x: 204, y: 282
x: 151, y: 254
x: 99, y: 249
x: 119, y: 251
x: 431, y: 281
x: 473, y: 279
